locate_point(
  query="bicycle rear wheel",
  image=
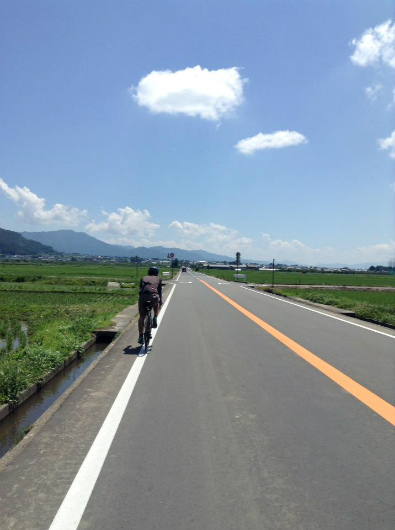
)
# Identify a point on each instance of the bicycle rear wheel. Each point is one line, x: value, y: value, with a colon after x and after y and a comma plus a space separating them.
x: 147, y: 330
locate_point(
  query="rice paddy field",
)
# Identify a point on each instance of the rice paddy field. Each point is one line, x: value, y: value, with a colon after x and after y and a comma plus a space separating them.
x: 82, y: 273
x: 49, y: 310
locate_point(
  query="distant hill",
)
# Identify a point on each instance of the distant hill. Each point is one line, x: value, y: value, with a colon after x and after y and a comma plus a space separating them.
x: 190, y: 255
x: 14, y: 243
x: 71, y: 242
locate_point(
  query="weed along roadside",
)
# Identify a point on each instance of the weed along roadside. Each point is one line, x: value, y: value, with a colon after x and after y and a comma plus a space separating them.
x: 104, y: 335
x: 21, y: 397
x: 377, y: 307
x: 23, y: 419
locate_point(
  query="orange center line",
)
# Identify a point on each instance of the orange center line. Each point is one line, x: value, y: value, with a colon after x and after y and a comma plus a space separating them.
x: 371, y: 400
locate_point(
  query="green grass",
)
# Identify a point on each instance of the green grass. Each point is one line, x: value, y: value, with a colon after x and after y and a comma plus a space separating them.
x: 309, y: 278
x: 57, y: 324
x: 367, y: 305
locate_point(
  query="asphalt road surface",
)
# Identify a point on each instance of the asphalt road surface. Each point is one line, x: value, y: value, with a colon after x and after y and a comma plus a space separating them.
x: 248, y: 413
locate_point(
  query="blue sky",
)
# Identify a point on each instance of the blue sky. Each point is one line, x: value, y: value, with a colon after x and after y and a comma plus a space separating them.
x: 265, y: 127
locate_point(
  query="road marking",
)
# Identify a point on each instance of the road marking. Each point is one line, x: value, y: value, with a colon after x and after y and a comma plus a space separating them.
x: 72, y: 509
x: 320, y: 312
x: 185, y: 282
x: 371, y: 400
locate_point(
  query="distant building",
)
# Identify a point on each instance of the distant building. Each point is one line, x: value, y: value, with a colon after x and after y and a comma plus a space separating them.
x: 218, y: 266
x: 252, y: 266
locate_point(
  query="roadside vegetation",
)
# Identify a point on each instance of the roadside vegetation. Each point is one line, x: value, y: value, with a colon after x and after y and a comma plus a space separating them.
x: 377, y: 306
x: 367, y: 305
x: 308, y: 278
x: 49, y: 310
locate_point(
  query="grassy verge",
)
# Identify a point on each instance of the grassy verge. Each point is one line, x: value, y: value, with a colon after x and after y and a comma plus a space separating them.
x: 377, y: 306
x: 57, y: 324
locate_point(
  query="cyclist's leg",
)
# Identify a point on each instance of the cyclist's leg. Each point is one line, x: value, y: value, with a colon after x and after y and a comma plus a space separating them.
x: 141, y: 324
x: 142, y: 312
x: 155, y: 307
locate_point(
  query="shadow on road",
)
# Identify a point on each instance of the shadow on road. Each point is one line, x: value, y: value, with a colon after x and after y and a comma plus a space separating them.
x: 129, y: 350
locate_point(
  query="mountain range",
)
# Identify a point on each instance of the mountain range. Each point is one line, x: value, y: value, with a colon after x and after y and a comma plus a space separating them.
x: 14, y: 243
x: 71, y: 242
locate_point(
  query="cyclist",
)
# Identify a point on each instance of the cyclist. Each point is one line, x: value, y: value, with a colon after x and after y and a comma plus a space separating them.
x: 150, y: 291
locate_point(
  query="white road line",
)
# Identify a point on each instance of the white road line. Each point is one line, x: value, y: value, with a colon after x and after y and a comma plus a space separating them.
x: 72, y: 509
x: 319, y: 312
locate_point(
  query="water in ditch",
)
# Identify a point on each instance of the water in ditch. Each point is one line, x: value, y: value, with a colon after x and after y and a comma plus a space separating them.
x: 15, y: 425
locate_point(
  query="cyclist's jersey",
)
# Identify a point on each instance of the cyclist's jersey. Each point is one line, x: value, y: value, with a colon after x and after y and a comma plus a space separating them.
x: 151, y: 288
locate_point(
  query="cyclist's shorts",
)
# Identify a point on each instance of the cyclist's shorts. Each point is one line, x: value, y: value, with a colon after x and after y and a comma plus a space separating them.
x: 142, y: 303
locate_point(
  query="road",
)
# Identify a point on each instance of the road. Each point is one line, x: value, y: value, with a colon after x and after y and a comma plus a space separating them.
x: 249, y: 412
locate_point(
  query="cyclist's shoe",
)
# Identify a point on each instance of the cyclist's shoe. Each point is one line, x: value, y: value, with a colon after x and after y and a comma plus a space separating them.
x: 140, y: 340
x: 155, y: 322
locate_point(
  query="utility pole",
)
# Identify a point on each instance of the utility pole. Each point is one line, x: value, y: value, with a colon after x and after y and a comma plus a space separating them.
x: 273, y: 274
x: 237, y: 263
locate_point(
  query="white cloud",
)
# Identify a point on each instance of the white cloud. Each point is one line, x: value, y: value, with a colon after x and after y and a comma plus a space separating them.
x: 276, y: 140
x: 222, y: 240
x: 33, y: 208
x: 210, y: 94
x: 372, y: 91
x: 124, y: 226
x: 211, y: 237
x: 293, y: 250
x: 388, y: 143
x: 375, y: 45
x: 300, y: 253
x: 195, y: 230
x: 382, y: 252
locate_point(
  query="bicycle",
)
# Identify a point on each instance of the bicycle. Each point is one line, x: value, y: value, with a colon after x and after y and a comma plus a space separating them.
x: 147, y: 324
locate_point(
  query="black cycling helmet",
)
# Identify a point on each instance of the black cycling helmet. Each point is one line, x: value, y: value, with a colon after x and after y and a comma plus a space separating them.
x: 153, y: 271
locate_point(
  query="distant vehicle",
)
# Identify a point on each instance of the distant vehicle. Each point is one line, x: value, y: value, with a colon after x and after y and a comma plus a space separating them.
x: 184, y: 269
